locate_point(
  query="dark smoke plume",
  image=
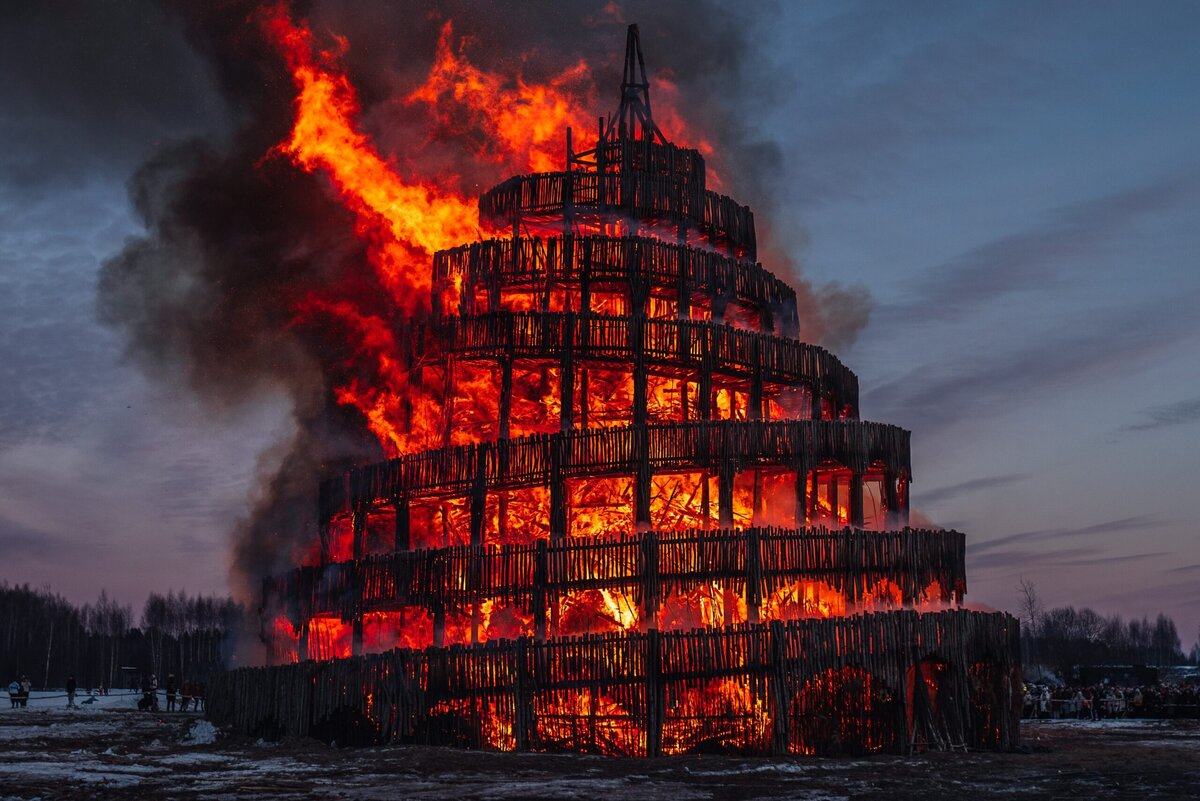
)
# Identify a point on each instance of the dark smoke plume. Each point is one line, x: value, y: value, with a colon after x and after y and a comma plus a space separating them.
x: 236, y: 236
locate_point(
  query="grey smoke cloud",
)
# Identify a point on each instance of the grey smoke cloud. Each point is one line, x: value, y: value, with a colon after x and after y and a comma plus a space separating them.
x: 233, y: 240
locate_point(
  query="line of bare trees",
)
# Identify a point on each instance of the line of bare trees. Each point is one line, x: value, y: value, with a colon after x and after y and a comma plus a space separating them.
x: 1064, y: 638
x: 47, y: 638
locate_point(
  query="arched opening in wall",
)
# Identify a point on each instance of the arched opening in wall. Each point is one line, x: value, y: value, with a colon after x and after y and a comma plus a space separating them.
x: 595, y: 611
x: 828, y: 493
x: 600, y: 507
x: 803, y: 599
x: 843, y: 711
x: 707, y: 605
x: 589, y: 720
x: 475, y: 415
x: 439, y: 522
x: 518, y: 516
x: 788, y: 403
x: 607, y: 393
x: 536, y: 398
x: 328, y: 638
x: 718, y: 716
x: 683, y: 501
x: 480, y: 722
x: 927, y: 725
x: 764, y: 496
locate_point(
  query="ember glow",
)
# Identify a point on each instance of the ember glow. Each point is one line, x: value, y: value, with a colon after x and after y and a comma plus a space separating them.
x: 614, y: 460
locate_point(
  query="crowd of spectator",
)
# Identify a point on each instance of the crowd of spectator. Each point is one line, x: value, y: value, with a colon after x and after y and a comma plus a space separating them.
x: 1108, y: 702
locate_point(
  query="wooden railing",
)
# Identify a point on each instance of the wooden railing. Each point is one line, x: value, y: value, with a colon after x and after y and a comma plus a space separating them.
x: 641, y: 195
x: 840, y: 685
x: 651, y: 567
x: 722, y: 447
x: 605, y: 259
x: 695, y: 345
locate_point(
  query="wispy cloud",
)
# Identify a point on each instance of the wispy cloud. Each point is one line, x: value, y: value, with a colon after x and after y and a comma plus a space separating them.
x: 1135, y: 523
x: 1102, y: 343
x: 945, y: 493
x: 1174, y: 414
x: 1035, y: 258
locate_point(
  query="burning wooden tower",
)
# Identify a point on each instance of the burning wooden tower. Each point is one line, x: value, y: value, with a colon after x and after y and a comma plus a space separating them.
x: 655, y: 523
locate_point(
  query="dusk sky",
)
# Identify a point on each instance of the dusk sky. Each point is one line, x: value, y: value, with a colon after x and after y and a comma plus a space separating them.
x: 1016, y: 186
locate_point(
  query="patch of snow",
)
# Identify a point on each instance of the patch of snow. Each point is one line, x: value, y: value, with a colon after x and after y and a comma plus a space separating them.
x: 782, y: 767
x: 202, y: 733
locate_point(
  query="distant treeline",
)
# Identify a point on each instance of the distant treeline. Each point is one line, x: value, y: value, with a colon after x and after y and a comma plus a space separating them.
x: 1065, y: 638
x: 47, y: 638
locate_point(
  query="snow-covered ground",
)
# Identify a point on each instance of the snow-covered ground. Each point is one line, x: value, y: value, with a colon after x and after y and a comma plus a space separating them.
x: 109, y: 750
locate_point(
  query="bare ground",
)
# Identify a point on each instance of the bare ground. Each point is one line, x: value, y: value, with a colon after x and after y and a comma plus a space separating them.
x: 123, y: 754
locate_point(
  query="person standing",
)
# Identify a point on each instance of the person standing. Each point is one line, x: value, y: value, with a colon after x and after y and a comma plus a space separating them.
x: 26, y: 686
x: 171, y: 687
x: 14, y: 693
x: 71, y: 686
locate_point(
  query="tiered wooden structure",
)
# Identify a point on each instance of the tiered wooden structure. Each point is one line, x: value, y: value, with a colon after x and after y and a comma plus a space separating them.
x: 658, y: 442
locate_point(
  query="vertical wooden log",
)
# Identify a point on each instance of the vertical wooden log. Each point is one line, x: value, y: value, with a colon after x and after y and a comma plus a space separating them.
x: 655, y: 700
x: 478, y: 499
x: 753, y: 593
x: 891, y: 500
x: 302, y: 647
x: 558, y: 490
x: 650, y: 583
x: 585, y: 272
x: 802, y: 510
x: 541, y: 586
x: 448, y: 400
x: 755, y: 410
x: 566, y: 396
x: 705, y: 390
x: 439, y: 627
x: 506, y: 390
x: 359, y: 526
x: 856, y: 499
x: 403, y: 524
x: 523, y: 709
x: 816, y: 399
x: 725, y: 473
x: 780, y: 695
x: 637, y: 330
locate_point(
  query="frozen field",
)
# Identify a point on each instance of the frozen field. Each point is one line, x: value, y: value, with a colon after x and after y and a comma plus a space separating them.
x: 108, y: 750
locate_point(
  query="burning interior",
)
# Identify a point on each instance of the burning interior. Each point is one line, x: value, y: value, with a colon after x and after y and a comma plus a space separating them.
x: 628, y: 510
